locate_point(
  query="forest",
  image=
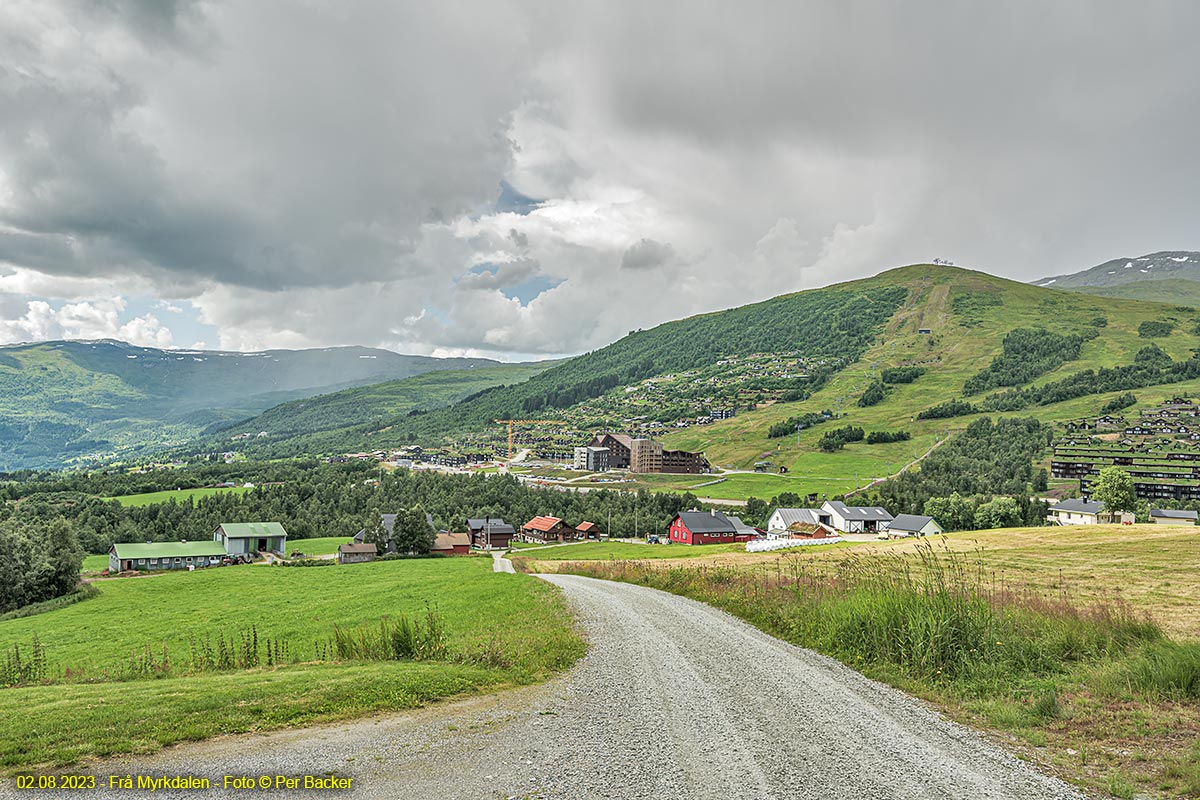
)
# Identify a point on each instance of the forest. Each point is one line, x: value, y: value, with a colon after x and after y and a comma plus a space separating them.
x: 987, y: 459
x: 1028, y: 353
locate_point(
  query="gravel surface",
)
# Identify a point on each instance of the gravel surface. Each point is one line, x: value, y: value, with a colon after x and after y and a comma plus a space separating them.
x: 674, y: 700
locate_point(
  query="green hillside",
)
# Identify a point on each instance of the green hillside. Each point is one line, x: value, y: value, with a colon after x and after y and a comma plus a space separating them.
x: 350, y: 420
x: 968, y: 314
x: 71, y: 400
x: 1177, y: 291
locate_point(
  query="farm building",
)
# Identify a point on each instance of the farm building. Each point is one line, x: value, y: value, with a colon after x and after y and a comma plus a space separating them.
x: 1084, y: 512
x: 163, y: 555
x: 913, y: 525
x: 547, y: 529
x: 855, y: 519
x: 355, y: 553
x: 1166, y: 516
x: 782, y: 519
x: 240, y: 538
x: 707, y: 527
x: 452, y: 544
x: 587, y: 530
x: 490, y: 533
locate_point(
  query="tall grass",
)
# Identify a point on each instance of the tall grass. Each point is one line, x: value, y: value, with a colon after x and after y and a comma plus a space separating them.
x: 933, y: 617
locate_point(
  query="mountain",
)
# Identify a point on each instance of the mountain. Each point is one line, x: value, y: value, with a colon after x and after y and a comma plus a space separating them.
x: 346, y: 421
x: 881, y: 352
x: 1171, y: 276
x: 65, y: 401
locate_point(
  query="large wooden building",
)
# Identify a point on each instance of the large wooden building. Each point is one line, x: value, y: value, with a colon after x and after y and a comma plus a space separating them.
x: 490, y: 533
x: 707, y: 527
x: 547, y: 529
x: 163, y: 555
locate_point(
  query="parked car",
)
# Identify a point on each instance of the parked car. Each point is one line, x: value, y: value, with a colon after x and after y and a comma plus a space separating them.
x: 652, y: 540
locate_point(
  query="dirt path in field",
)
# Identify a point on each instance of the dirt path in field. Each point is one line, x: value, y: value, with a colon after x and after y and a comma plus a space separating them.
x: 675, y: 700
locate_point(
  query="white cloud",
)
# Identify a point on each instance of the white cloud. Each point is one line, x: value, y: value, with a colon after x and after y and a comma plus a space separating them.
x: 87, y: 320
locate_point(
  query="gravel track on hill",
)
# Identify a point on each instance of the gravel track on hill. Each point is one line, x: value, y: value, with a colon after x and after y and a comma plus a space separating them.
x: 674, y: 700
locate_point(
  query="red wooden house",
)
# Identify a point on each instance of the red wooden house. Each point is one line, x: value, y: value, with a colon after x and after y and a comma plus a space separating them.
x: 452, y: 544
x: 706, y: 527
x: 547, y: 529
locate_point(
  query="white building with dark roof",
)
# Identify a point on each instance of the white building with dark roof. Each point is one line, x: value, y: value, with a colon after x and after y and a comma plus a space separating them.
x: 855, y: 519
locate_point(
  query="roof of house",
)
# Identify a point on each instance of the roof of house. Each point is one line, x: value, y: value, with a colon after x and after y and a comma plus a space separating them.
x: 354, y: 547
x: 624, y: 439
x: 1167, y: 513
x: 495, y: 524
x: 128, y: 550
x: 251, y: 530
x: 740, y: 527
x: 790, y: 516
x: 858, y: 513
x: 585, y: 526
x: 707, y: 522
x: 542, y: 523
x: 448, y: 541
x: 1079, y: 506
x: 909, y: 522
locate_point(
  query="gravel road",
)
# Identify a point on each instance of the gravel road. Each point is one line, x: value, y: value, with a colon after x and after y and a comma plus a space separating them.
x: 674, y: 700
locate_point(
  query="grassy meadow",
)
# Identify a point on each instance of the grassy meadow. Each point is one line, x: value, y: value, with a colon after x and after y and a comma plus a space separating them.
x: 122, y: 671
x: 178, y: 495
x: 1078, y: 646
x: 602, y: 551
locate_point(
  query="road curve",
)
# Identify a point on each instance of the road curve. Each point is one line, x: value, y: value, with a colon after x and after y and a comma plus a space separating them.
x: 674, y: 700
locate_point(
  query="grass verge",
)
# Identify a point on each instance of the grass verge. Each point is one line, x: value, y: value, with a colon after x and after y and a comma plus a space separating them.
x: 141, y: 666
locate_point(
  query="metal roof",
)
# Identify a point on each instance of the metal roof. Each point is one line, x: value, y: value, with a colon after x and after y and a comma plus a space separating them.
x: 790, y: 516
x: 133, y: 550
x: 1167, y: 513
x: 707, y: 522
x: 909, y: 522
x: 496, y: 524
x: 859, y: 513
x: 542, y: 524
x: 1079, y: 506
x: 251, y: 530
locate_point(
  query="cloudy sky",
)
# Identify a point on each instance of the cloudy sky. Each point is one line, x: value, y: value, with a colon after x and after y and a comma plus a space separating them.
x: 520, y: 179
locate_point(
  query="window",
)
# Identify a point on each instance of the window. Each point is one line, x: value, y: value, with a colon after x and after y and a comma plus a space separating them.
x: 177, y: 560
x: 189, y: 559
x: 154, y: 562
x: 141, y: 562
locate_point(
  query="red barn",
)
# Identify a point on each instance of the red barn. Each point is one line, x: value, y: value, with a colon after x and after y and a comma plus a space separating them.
x: 452, y: 544
x: 706, y: 527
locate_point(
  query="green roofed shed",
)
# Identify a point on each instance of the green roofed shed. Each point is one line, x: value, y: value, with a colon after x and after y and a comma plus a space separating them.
x: 239, y: 538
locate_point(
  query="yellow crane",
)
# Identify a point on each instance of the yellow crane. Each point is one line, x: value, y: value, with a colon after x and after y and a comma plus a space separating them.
x: 511, y: 422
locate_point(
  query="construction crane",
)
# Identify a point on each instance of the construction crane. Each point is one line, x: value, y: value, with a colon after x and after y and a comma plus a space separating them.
x: 511, y: 422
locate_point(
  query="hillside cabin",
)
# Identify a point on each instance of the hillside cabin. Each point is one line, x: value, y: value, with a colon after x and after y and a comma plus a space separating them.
x: 1084, y: 512
x: 242, y: 538
x: 707, y: 527
x: 855, y: 519
x: 452, y: 544
x: 356, y: 553
x: 490, y: 533
x: 164, y: 555
x: 913, y: 525
x: 588, y: 530
x: 1166, y: 516
x: 547, y: 529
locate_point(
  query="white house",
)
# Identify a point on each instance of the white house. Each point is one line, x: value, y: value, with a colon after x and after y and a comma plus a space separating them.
x: 855, y: 519
x: 913, y: 525
x: 783, y: 518
x: 1084, y: 512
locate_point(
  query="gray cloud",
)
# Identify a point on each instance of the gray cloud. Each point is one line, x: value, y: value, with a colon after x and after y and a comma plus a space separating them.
x: 325, y: 174
x: 647, y: 254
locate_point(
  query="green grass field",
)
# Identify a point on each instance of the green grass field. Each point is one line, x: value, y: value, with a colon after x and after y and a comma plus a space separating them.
x: 320, y: 546
x: 178, y: 495
x: 501, y: 630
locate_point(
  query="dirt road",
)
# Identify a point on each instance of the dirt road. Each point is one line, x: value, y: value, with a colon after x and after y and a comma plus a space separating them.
x: 674, y: 700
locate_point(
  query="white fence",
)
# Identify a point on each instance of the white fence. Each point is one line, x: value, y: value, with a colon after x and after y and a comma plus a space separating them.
x: 763, y: 545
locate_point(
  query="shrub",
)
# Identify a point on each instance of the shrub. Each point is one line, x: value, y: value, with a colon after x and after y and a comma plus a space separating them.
x: 874, y: 394
x: 1121, y: 401
x: 1152, y: 329
x: 887, y: 437
x: 901, y: 374
x: 950, y: 408
x: 1028, y: 353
